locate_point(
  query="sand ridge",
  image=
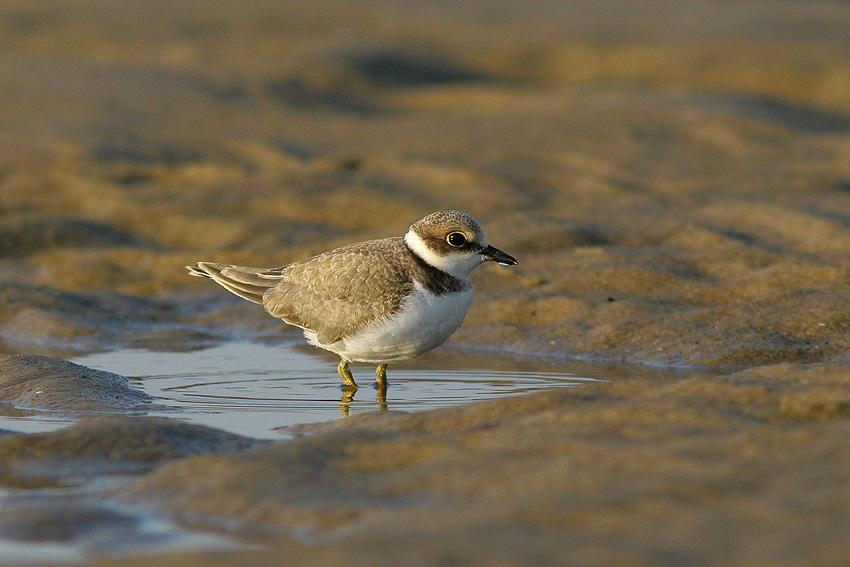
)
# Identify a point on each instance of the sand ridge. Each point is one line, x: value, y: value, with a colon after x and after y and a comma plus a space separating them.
x: 673, y: 177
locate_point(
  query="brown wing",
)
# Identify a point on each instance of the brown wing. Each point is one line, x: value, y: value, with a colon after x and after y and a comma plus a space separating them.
x: 341, y: 291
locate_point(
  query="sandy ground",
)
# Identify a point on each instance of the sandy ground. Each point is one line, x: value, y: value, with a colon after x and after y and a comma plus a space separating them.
x: 673, y: 177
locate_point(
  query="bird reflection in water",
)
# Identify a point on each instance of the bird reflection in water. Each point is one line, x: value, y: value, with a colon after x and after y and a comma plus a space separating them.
x: 348, y: 397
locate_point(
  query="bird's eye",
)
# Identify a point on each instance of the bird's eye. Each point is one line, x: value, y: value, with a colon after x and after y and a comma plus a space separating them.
x: 456, y: 239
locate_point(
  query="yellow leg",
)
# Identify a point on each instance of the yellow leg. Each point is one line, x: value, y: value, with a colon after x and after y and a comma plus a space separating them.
x: 348, y: 382
x: 381, y: 375
x: 381, y: 386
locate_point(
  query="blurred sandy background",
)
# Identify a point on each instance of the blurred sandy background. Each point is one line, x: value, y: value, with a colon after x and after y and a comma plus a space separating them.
x: 683, y: 159
x: 673, y: 177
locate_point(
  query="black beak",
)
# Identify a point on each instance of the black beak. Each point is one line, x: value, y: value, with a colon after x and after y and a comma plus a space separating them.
x: 497, y: 255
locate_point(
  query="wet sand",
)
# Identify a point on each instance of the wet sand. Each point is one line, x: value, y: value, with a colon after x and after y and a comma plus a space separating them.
x: 674, y: 179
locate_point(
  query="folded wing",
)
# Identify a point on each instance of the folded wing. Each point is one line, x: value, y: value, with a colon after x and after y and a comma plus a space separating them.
x: 334, y: 294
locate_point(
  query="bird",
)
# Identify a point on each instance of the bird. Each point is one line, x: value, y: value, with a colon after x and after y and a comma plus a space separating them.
x: 378, y: 301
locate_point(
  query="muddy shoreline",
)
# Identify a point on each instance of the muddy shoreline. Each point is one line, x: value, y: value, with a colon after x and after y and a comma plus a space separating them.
x: 674, y: 179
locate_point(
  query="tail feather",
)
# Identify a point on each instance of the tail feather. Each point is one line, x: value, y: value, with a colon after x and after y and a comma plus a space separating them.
x: 247, y: 283
x: 195, y: 271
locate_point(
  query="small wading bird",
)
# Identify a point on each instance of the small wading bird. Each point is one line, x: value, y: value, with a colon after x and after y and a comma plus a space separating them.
x: 378, y: 301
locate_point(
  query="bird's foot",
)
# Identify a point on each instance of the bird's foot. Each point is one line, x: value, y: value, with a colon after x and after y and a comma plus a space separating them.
x: 348, y: 382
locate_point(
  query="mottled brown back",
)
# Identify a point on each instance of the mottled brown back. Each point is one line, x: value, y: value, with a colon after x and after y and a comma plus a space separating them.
x: 339, y: 292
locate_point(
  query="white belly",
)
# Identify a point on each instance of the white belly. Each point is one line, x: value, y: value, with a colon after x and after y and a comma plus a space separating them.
x: 424, y: 322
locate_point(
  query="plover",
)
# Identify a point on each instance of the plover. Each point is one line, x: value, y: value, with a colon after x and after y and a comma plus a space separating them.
x: 378, y: 301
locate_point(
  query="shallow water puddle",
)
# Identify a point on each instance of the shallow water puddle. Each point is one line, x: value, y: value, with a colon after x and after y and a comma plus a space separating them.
x: 260, y: 390
x: 59, y: 527
x: 252, y: 389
